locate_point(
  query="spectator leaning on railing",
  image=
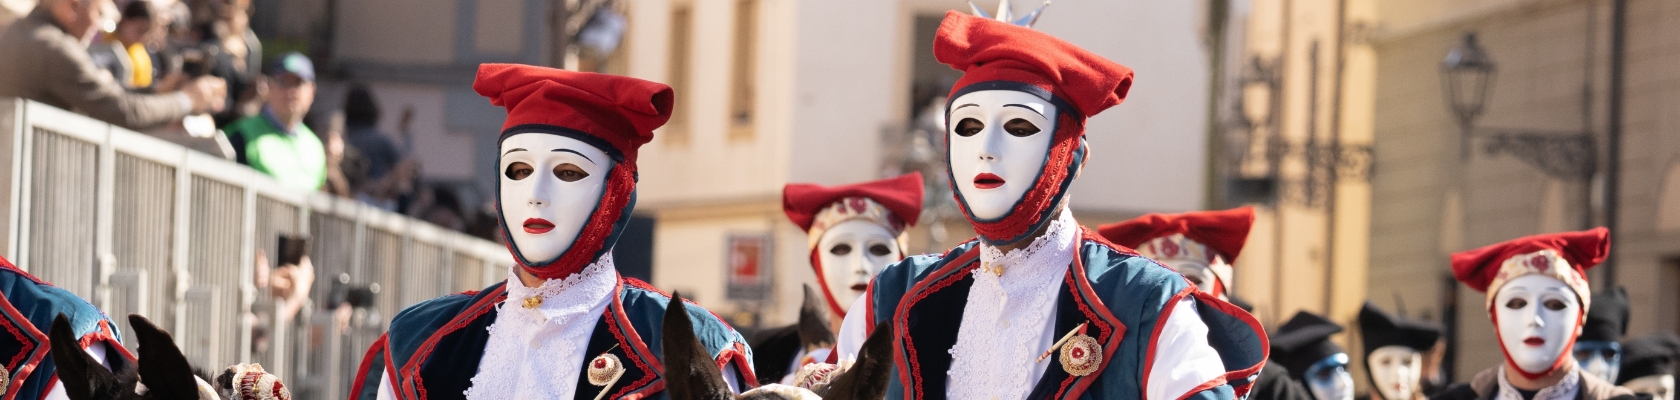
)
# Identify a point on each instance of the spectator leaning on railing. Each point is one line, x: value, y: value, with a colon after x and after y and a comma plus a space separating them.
x: 276, y: 141
x: 44, y: 57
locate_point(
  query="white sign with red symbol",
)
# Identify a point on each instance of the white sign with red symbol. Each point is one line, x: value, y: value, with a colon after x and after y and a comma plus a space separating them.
x: 747, y: 263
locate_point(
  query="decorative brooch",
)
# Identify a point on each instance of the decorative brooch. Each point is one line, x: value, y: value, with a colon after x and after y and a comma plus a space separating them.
x: 1081, y: 354
x: 604, y: 371
x: 5, y: 378
x: 532, y: 302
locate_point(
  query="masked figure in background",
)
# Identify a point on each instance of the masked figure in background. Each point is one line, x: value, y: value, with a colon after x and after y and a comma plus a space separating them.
x: 1394, y: 352
x: 1304, y: 348
x: 1038, y: 306
x: 565, y: 324
x: 1537, y: 296
x: 1599, y: 350
x: 1199, y: 245
x: 1648, y: 364
x: 854, y: 231
x: 1202, y: 246
x: 27, y: 310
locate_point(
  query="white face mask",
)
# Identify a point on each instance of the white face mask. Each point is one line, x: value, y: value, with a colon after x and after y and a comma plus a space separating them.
x: 999, y: 142
x: 1661, y: 387
x: 1538, y: 316
x: 1330, y: 380
x: 851, y: 253
x: 1395, y: 370
x: 1196, y: 272
x: 550, y: 184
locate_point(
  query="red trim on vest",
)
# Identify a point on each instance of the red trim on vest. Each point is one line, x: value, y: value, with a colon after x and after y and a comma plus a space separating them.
x: 1109, y: 328
x: 906, y: 366
x: 415, y: 388
x: 7, y: 264
x: 1209, y: 300
x: 737, y: 353
x: 1155, y: 335
x: 22, y: 365
x: 367, y: 364
x: 1215, y: 382
x: 619, y: 325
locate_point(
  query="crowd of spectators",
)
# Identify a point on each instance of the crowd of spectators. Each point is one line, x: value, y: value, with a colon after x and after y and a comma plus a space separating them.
x: 193, y: 72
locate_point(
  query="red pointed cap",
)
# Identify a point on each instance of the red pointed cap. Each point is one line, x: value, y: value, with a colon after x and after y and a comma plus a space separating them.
x: 1224, y: 231
x: 987, y: 50
x: 1565, y: 256
x: 901, y: 196
x: 620, y: 111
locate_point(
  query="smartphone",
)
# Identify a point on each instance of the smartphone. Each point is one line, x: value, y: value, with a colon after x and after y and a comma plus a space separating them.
x: 292, y: 249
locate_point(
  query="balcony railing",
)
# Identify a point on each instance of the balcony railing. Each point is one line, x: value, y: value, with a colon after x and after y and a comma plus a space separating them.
x: 135, y: 224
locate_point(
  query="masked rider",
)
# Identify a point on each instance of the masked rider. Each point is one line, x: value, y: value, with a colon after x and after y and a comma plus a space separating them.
x: 564, y: 324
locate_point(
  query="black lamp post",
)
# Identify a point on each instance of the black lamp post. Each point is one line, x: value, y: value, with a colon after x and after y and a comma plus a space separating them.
x: 1467, y: 74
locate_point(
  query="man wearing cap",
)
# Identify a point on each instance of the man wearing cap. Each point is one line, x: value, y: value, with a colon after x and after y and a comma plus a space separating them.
x: 1537, y: 296
x: 564, y: 324
x: 1648, y: 364
x: 1038, y: 306
x: 1394, y: 352
x: 1303, y: 347
x: 1599, y: 350
x: 276, y: 141
x: 853, y: 231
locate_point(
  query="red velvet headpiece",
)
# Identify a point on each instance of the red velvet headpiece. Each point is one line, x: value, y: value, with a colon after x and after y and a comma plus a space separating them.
x: 987, y: 50
x: 901, y: 194
x: 614, y: 113
x: 1224, y: 231
x: 994, y: 55
x: 1481, y: 268
x: 621, y: 111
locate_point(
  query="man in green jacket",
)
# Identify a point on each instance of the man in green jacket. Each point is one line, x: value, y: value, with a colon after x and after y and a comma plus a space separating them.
x: 276, y: 142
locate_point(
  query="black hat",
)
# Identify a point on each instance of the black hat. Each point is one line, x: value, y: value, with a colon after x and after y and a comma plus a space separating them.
x: 1378, y: 328
x: 1304, y: 341
x: 1607, y: 319
x: 1649, y: 356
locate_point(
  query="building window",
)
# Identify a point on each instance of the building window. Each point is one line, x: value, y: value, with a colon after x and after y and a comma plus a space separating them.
x: 743, y: 88
x: 682, y: 24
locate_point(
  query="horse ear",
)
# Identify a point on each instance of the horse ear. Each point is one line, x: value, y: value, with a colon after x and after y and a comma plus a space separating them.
x: 163, y: 369
x: 813, y: 322
x: 82, y: 375
x: 690, y: 373
x: 867, y: 378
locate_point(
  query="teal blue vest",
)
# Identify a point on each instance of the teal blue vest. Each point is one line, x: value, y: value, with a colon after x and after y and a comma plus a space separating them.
x: 1122, y: 295
x: 26, y: 315
x: 435, y: 346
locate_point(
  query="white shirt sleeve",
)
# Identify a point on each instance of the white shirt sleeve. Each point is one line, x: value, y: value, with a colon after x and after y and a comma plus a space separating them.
x: 853, y: 330
x: 98, y: 353
x: 385, y: 390
x: 1183, y: 359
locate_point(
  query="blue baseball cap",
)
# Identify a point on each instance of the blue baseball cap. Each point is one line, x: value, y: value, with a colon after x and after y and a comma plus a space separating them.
x: 293, y: 63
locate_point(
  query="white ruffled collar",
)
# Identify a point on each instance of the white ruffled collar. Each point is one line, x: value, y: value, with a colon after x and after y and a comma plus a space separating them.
x: 1057, y: 243
x: 562, y: 297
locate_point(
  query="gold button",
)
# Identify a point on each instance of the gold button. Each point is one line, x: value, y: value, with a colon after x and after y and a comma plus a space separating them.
x: 533, y: 301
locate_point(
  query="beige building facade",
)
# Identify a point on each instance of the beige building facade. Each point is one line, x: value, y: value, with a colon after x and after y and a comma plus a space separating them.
x: 1425, y: 195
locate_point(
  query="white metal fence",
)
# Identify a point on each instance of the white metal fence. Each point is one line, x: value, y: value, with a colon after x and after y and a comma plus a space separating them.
x: 135, y: 224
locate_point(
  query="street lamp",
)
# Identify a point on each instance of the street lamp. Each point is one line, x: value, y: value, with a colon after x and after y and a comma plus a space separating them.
x: 1467, y: 74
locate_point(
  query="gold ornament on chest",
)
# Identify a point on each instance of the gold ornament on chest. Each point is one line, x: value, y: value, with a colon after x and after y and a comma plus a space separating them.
x: 532, y: 302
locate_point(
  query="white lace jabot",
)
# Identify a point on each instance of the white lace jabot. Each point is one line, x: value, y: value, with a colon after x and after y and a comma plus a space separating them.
x: 537, y: 353
x: 1003, y: 315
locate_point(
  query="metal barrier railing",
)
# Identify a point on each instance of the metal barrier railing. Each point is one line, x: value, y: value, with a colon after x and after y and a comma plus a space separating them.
x: 135, y: 224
